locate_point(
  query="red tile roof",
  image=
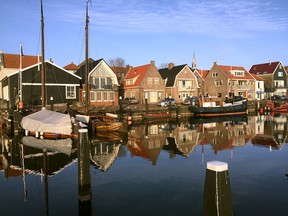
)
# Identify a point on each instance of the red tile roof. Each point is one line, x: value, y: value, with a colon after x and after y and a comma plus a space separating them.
x: 71, y: 66
x: 13, y: 60
x: 227, y: 71
x: 266, y: 68
x: 137, y: 73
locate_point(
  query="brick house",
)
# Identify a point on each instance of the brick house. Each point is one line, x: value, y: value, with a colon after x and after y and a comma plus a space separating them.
x: 143, y: 82
x: 226, y: 81
x: 180, y: 82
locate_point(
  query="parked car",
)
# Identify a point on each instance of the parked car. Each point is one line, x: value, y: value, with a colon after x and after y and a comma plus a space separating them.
x: 276, y: 97
x: 166, y: 102
x: 191, y: 101
x: 285, y: 98
x: 129, y: 100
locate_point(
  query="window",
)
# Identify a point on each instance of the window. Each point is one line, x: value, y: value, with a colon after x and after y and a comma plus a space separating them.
x: 239, y: 73
x: 105, y: 96
x: 99, y: 96
x: 111, y: 96
x: 149, y: 81
x: 218, y: 83
x: 214, y: 74
x: 70, y: 92
x: 156, y: 81
x: 92, y: 96
x: 280, y: 74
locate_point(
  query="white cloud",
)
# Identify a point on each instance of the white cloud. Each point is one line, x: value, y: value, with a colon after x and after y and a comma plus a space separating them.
x: 228, y: 17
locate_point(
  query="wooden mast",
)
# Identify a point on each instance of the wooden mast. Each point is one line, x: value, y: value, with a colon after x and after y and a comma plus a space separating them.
x: 43, y: 72
x: 87, y: 98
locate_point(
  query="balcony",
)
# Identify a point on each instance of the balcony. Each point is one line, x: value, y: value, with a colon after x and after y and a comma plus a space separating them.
x: 102, y: 87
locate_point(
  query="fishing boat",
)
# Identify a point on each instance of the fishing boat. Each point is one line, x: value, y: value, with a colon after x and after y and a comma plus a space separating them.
x: 283, y: 108
x: 222, y: 108
x: 46, y: 121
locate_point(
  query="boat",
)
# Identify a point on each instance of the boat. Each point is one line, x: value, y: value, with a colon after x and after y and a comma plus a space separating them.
x: 150, y: 116
x: 283, y: 108
x: 107, y: 126
x: 222, y: 109
x: 46, y: 121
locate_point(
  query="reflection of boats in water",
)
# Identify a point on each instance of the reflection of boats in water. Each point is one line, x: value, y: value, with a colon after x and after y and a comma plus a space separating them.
x: 234, y: 118
x: 61, y: 145
x: 111, y: 136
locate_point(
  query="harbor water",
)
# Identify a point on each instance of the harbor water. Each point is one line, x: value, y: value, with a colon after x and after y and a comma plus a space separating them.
x: 156, y: 168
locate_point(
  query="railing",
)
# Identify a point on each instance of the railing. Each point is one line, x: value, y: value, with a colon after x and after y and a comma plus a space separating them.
x: 101, y: 87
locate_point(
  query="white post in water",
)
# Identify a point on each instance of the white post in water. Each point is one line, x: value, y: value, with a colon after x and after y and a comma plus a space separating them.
x: 217, y: 190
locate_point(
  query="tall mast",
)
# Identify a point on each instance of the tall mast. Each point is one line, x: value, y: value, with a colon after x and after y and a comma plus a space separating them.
x: 43, y: 72
x: 87, y: 96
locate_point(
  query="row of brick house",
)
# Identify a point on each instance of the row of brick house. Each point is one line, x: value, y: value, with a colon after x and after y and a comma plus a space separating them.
x: 108, y: 84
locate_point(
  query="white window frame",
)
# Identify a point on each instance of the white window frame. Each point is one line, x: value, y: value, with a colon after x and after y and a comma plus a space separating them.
x: 70, y: 94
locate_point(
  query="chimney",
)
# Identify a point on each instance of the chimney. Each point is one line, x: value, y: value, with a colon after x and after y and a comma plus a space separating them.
x: 152, y: 62
x: 215, y: 63
x: 170, y: 65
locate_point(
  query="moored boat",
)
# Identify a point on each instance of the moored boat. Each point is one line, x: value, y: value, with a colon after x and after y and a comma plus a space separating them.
x: 283, y: 108
x: 221, y: 109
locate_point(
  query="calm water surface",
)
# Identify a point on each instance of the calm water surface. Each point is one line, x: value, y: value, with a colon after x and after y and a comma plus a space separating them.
x: 155, y: 169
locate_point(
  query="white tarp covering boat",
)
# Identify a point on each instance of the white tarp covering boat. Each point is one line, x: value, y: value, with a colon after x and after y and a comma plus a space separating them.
x: 62, y: 145
x: 47, y: 121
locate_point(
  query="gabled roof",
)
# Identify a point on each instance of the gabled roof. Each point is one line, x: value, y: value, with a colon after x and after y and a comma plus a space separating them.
x: 13, y: 60
x: 136, y: 73
x: 170, y: 74
x: 263, y: 69
x: 71, y: 66
x: 202, y: 73
x: 46, y: 62
x: 228, y: 69
x: 91, y: 65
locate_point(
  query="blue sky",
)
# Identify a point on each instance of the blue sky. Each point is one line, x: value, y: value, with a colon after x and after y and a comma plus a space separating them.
x: 231, y: 32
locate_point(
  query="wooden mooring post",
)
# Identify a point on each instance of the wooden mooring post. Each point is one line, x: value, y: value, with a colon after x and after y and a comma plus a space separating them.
x: 84, y: 179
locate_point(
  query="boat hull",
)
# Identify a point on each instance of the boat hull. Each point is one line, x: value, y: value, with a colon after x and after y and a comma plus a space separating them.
x: 107, y: 126
x: 237, y: 109
x: 150, y: 116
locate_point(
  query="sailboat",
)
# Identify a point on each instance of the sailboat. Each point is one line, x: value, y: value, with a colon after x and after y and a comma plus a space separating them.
x: 46, y: 123
x: 102, y: 123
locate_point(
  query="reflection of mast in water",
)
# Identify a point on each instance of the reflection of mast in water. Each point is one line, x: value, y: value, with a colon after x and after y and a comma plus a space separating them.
x: 84, y: 180
x: 217, y: 191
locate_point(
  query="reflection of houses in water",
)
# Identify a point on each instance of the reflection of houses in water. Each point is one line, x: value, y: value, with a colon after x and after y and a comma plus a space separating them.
x: 103, y: 154
x: 147, y: 140
x: 182, y: 140
x: 224, y: 134
x: 274, y: 132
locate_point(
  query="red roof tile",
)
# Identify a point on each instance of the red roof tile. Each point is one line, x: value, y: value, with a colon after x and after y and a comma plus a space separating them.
x: 136, y: 73
x: 71, y: 66
x: 227, y: 71
x: 13, y: 60
x: 266, y: 68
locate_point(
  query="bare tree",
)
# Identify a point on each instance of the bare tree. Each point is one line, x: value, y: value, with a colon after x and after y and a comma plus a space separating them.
x: 117, y: 62
x: 163, y: 65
